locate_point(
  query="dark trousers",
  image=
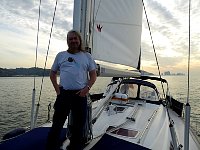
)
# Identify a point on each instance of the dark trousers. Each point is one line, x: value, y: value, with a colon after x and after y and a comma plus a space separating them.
x: 66, y: 101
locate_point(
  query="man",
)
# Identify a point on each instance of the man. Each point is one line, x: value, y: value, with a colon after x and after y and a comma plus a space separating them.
x: 77, y: 75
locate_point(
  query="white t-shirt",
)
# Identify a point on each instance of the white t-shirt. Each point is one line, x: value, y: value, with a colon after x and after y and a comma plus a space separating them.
x: 73, y: 69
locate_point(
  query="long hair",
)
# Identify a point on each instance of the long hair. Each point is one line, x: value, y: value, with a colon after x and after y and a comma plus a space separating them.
x: 81, y: 48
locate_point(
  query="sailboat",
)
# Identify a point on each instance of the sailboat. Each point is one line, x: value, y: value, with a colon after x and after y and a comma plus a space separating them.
x: 131, y: 113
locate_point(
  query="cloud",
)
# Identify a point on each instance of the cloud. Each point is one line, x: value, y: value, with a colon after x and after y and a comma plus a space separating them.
x: 24, y: 13
x: 63, y: 17
x: 168, y: 21
x: 18, y: 28
x: 169, y: 26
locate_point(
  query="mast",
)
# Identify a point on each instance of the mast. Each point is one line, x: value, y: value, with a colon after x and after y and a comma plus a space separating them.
x: 77, y: 15
x: 82, y: 20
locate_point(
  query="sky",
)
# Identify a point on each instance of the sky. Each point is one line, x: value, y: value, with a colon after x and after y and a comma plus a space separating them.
x: 168, y: 21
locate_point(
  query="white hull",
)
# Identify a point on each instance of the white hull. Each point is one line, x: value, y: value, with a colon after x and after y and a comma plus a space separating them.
x: 144, y: 123
x: 151, y: 124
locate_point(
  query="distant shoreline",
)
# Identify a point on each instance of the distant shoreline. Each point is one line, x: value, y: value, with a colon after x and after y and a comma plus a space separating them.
x: 175, y: 75
x: 23, y: 76
x: 24, y: 72
x: 39, y: 72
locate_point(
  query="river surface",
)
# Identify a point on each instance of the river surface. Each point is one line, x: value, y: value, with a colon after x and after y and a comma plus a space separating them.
x: 16, y: 98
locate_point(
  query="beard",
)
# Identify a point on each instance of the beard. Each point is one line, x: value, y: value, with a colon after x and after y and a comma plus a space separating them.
x: 74, y: 46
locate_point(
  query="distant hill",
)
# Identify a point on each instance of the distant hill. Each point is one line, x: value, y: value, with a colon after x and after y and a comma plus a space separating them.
x: 23, y: 72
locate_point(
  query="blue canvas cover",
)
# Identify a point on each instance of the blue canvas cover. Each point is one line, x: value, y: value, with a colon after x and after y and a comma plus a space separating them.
x: 108, y: 142
x: 32, y: 140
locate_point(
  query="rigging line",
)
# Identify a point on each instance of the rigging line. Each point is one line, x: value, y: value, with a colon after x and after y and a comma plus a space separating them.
x: 189, y: 55
x: 153, y: 46
x: 36, y: 49
x: 47, y: 51
x: 187, y: 106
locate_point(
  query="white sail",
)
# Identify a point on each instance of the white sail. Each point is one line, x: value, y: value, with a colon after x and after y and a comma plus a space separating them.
x: 117, y: 31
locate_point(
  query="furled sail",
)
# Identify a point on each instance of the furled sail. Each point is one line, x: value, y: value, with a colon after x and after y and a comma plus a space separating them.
x: 117, y: 31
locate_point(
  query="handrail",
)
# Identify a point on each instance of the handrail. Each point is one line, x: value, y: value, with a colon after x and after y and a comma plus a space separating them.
x: 106, y: 100
x: 150, y: 120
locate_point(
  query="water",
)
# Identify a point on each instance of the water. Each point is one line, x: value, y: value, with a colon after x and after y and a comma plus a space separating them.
x: 16, y: 97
